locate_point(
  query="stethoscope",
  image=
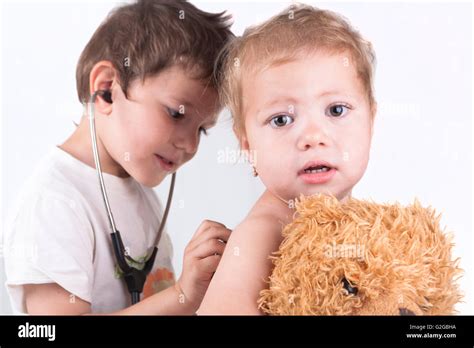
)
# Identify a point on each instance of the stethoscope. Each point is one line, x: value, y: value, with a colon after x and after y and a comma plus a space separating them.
x: 134, y: 277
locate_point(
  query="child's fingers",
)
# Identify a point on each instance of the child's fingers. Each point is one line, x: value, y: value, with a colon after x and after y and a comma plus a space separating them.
x: 213, y: 232
x: 205, y: 225
x: 208, y: 248
x: 210, y: 263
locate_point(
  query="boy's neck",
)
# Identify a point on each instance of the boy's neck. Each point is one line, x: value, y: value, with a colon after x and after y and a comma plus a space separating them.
x: 79, y: 145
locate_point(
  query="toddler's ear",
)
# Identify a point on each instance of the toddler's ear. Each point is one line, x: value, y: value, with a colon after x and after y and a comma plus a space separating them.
x: 374, y: 109
x: 243, y: 142
x: 373, y: 114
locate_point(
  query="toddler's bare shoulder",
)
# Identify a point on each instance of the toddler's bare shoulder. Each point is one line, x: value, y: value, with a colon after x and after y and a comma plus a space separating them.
x: 258, y: 229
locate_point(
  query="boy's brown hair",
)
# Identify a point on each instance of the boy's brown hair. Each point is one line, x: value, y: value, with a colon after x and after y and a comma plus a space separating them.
x: 147, y: 36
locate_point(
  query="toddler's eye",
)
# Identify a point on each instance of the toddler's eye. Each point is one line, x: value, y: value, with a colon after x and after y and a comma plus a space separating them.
x: 280, y: 121
x: 203, y: 131
x: 175, y: 113
x: 337, y: 110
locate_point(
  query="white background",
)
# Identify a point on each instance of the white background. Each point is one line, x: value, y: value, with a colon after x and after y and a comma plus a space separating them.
x: 422, y: 145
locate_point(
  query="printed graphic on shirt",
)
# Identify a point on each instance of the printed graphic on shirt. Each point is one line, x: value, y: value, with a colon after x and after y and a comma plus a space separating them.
x: 157, y: 281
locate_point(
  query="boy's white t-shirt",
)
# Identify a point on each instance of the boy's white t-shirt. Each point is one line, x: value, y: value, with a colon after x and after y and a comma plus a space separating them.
x: 59, y: 233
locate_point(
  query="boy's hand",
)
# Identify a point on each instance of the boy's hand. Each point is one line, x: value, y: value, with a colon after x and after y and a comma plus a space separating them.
x: 201, y: 257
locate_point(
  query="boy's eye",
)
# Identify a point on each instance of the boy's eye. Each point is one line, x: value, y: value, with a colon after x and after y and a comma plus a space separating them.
x: 175, y: 113
x: 337, y: 110
x: 203, y: 131
x: 281, y: 120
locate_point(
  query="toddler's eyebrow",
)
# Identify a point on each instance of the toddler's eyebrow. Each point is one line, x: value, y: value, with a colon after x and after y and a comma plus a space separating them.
x: 293, y: 101
x: 334, y: 92
x: 279, y: 100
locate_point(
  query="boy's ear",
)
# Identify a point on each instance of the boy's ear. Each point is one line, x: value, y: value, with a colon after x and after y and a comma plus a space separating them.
x: 103, y: 76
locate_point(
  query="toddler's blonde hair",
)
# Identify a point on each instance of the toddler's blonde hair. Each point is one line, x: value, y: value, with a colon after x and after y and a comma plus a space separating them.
x: 299, y: 29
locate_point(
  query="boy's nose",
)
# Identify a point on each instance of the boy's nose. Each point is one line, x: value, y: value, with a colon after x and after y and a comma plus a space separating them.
x: 188, y: 143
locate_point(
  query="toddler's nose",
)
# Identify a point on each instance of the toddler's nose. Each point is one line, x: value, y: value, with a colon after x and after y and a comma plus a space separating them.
x: 312, y: 136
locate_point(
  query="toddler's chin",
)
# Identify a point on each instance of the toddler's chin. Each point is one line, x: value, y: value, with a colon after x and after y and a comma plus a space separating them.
x: 312, y: 191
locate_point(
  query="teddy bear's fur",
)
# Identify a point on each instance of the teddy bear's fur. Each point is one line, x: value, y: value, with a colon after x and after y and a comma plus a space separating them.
x: 362, y: 258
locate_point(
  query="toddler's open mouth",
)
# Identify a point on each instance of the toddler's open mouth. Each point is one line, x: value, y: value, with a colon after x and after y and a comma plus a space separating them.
x: 317, y: 172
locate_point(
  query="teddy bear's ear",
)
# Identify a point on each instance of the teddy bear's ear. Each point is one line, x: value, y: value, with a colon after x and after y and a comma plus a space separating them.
x: 410, y: 308
x: 389, y: 304
x: 405, y: 311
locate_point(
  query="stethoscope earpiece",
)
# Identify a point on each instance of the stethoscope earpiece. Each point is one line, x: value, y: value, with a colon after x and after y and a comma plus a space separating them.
x: 106, y: 95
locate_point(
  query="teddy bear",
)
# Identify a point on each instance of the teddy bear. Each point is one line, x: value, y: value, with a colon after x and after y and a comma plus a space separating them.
x: 362, y: 258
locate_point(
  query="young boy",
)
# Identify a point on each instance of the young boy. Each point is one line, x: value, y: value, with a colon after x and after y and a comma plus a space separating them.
x: 302, y: 99
x: 157, y: 60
